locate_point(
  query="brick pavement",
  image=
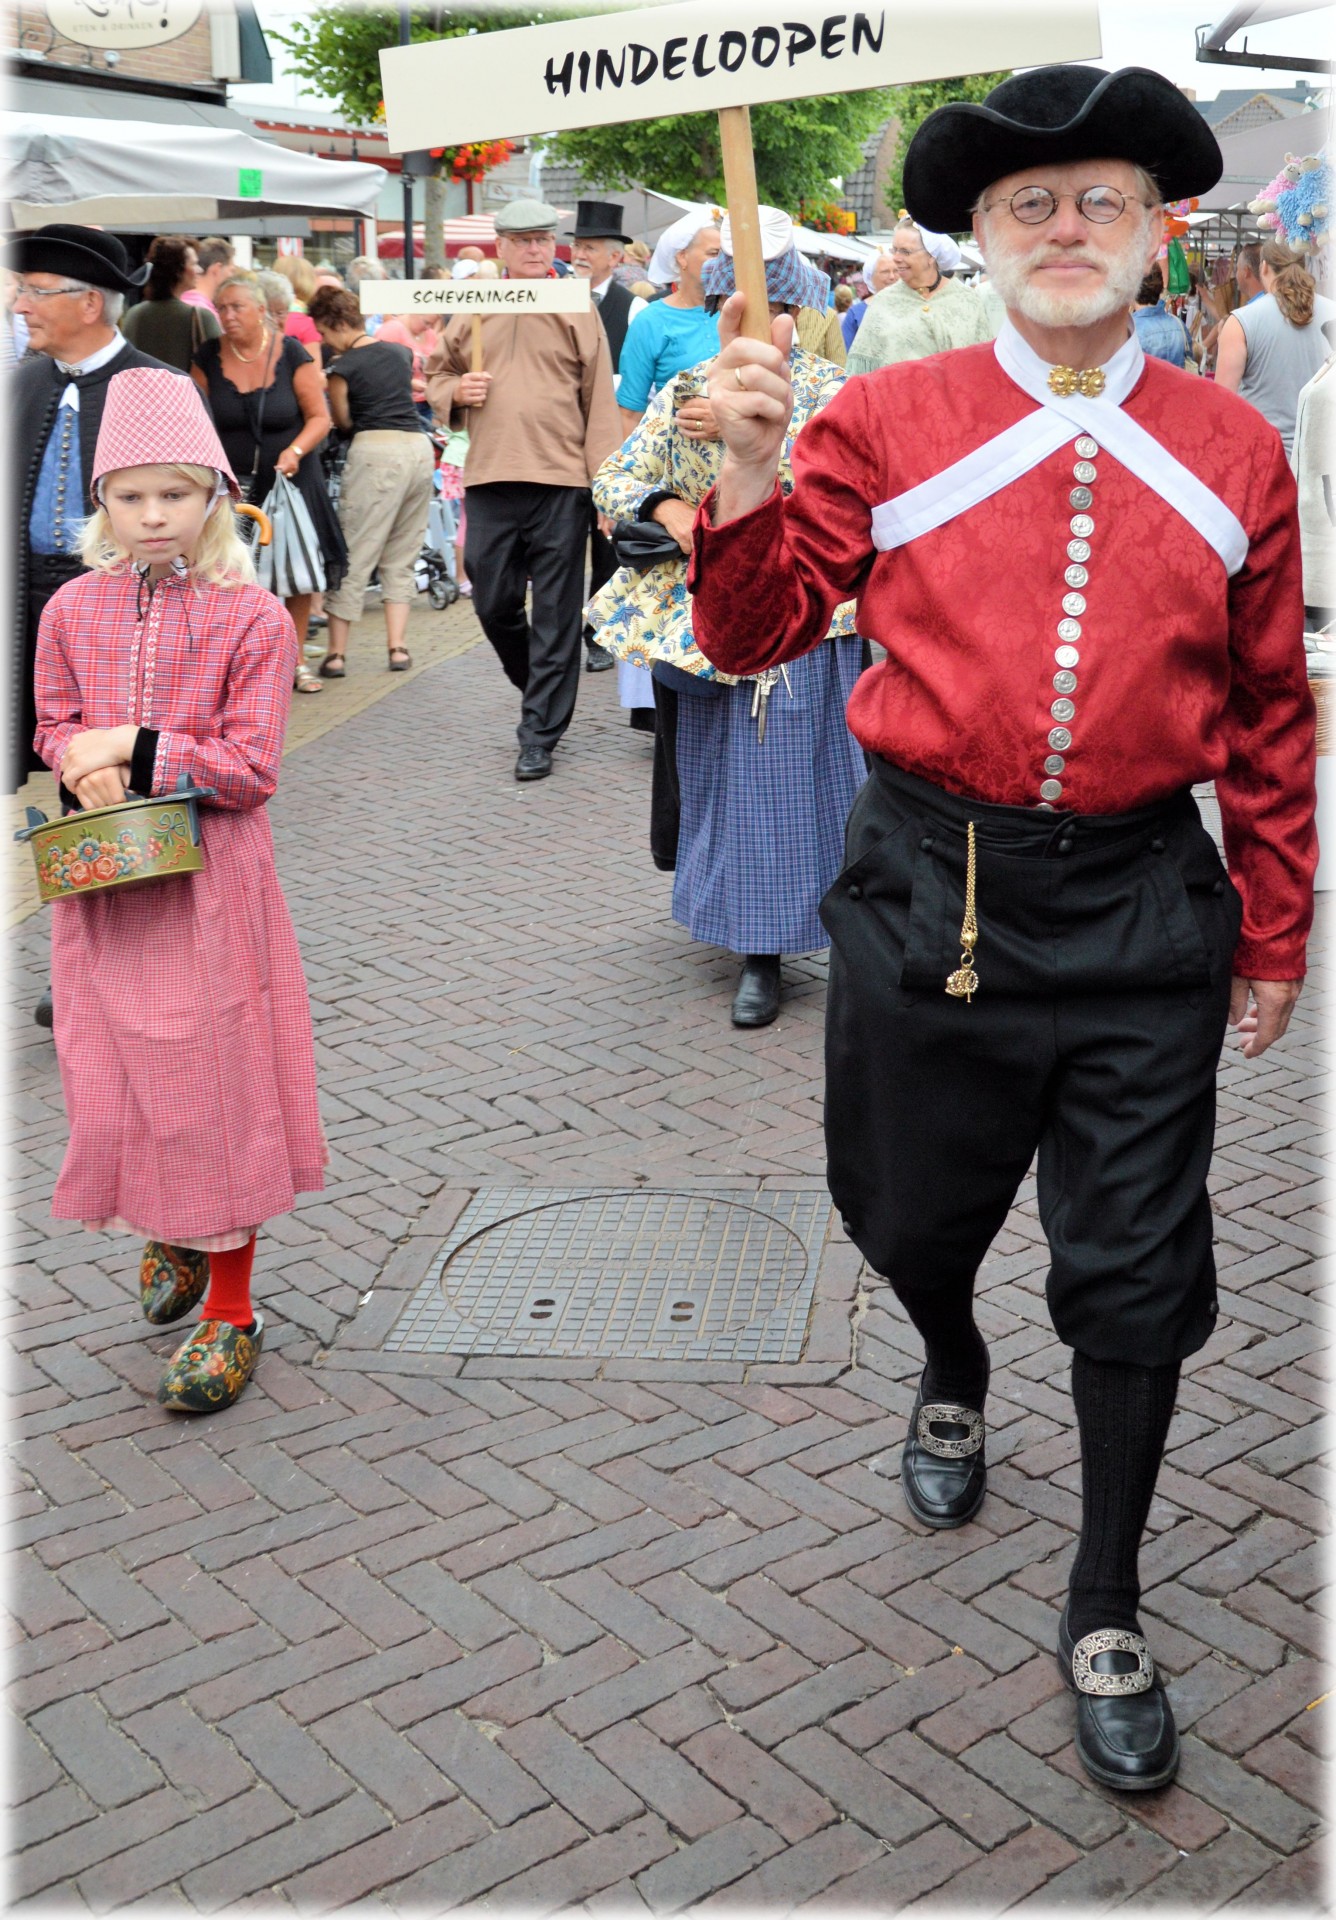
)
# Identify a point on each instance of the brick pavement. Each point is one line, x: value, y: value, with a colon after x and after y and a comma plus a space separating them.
x: 425, y: 1633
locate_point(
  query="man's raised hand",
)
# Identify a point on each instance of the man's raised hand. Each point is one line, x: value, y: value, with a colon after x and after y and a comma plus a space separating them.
x: 751, y: 395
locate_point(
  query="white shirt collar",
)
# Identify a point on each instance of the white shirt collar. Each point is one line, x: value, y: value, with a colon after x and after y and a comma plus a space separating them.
x: 70, y: 397
x: 95, y: 360
x: 1019, y: 361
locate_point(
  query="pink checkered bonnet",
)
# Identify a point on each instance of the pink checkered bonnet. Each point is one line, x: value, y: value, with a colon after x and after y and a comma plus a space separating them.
x: 156, y: 418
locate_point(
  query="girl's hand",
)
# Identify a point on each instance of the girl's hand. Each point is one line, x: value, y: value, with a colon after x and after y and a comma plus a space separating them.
x: 105, y: 788
x: 90, y: 752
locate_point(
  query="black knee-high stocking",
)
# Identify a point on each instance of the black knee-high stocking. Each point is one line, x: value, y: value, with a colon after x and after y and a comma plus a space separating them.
x: 1123, y: 1414
x: 957, y: 1358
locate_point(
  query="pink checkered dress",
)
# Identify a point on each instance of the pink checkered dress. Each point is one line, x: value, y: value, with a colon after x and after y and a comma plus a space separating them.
x: 182, y: 1024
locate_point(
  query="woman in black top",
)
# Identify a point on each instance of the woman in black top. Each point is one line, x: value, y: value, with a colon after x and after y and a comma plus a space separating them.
x: 387, y: 482
x: 266, y: 395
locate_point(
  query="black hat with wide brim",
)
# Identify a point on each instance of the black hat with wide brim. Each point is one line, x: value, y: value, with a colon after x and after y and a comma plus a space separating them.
x: 82, y: 253
x: 598, y: 220
x: 1048, y: 118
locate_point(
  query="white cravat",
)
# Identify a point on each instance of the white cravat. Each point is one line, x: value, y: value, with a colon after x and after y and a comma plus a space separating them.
x: 1057, y: 420
x: 70, y: 397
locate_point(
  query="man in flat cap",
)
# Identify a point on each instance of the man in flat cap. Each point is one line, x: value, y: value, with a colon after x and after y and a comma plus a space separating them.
x: 541, y: 419
x: 1084, y: 569
x: 72, y: 283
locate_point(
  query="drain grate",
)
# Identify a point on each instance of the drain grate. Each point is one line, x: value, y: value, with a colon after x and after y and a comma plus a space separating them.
x: 638, y: 1275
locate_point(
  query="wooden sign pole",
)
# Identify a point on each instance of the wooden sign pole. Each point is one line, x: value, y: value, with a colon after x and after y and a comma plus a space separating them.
x: 477, y: 343
x: 735, y: 143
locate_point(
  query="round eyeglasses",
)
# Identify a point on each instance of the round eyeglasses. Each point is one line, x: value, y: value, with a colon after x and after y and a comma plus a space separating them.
x: 1033, y: 205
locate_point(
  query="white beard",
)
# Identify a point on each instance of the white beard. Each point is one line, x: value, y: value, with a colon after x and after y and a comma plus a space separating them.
x: 1123, y: 273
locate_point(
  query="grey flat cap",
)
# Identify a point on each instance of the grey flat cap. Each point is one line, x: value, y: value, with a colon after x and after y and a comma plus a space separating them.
x: 527, y: 216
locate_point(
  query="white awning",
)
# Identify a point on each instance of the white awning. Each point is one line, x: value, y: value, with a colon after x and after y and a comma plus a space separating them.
x: 61, y: 167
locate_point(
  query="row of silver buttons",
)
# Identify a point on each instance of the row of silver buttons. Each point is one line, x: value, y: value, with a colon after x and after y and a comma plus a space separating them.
x: 1067, y: 655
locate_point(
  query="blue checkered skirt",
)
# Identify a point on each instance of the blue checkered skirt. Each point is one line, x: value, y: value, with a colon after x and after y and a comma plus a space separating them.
x: 762, y: 833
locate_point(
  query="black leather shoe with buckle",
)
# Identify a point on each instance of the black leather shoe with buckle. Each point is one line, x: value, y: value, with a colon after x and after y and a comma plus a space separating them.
x: 1125, y: 1732
x: 942, y: 1465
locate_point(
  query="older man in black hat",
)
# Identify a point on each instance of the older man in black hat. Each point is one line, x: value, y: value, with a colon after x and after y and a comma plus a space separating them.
x: 1084, y: 570
x: 598, y: 247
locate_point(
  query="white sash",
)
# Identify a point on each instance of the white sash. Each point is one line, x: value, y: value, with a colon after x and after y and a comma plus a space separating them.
x: 1030, y: 441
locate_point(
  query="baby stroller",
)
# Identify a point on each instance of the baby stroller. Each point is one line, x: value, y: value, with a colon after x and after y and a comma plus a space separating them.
x: 435, y: 566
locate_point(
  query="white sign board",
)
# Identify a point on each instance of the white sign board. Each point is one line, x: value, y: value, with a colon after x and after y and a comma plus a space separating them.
x: 123, y: 23
x: 567, y: 295
x: 701, y: 56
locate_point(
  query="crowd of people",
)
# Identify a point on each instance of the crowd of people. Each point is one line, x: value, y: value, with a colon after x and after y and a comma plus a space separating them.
x: 940, y: 637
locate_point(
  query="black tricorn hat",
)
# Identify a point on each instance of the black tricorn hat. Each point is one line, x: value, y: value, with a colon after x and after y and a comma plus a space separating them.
x: 84, y: 253
x: 1046, y: 118
x: 598, y: 220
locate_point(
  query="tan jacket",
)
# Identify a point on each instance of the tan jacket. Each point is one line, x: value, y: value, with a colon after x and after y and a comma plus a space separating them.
x: 551, y: 413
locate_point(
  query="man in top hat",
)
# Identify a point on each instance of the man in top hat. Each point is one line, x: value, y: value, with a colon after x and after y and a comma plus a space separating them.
x: 541, y: 419
x: 598, y: 247
x: 1084, y: 569
x: 72, y: 283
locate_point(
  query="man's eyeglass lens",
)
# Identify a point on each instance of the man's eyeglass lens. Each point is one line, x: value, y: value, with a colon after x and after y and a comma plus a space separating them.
x: 1033, y: 205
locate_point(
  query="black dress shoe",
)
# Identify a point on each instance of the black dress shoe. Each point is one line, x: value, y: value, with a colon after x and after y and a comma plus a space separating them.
x: 534, y: 763
x: 598, y: 659
x: 1125, y: 1732
x: 942, y: 1468
x: 756, y: 1001
x: 44, y: 1013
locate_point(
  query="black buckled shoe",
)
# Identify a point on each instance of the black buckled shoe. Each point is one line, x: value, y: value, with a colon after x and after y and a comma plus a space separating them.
x: 1125, y: 1732
x: 942, y: 1467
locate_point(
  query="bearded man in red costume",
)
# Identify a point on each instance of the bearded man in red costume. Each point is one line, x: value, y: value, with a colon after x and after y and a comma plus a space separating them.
x: 1084, y: 569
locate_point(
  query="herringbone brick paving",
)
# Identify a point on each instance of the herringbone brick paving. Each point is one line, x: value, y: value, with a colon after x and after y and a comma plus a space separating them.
x: 530, y: 1636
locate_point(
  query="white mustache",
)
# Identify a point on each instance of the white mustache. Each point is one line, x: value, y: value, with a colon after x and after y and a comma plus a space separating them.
x: 1068, y: 256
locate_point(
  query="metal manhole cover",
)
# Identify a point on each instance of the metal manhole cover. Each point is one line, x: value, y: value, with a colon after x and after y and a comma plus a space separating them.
x: 637, y: 1275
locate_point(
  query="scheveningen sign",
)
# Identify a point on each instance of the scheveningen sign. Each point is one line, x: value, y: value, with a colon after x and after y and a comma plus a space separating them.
x: 702, y: 56
x: 450, y: 297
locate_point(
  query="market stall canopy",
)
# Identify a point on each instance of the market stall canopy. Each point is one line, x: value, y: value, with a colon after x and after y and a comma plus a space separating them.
x: 1257, y: 156
x: 101, y: 173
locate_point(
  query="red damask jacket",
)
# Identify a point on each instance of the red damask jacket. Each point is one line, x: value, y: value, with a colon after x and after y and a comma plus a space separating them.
x: 1185, y: 672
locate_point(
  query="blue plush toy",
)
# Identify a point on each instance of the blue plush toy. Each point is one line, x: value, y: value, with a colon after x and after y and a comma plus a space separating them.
x: 1295, y: 204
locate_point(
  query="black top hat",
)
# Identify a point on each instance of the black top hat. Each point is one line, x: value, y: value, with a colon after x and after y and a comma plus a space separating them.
x: 1046, y: 118
x: 84, y: 253
x: 598, y: 220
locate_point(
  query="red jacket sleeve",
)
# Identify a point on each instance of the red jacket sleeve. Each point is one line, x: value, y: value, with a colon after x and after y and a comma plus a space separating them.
x: 1267, y: 793
x: 765, y: 585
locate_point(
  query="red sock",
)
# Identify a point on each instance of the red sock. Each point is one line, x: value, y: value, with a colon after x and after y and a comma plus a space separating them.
x: 228, y: 1297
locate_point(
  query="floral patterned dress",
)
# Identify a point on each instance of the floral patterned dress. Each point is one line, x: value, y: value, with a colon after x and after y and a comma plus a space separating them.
x: 761, y: 830
x: 644, y: 617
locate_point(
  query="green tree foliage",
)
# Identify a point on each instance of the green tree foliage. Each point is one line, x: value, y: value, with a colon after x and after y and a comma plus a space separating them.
x: 801, y: 146
x: 337, y: 48
x: 913, y: 104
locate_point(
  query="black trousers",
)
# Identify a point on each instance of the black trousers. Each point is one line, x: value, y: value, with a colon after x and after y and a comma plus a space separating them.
x: 519, y: 532
x: 1104, y: 957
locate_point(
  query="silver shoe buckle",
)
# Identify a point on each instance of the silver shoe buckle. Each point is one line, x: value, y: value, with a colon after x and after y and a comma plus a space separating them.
x: 1111, y: 1685
x: 952, y: 1416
